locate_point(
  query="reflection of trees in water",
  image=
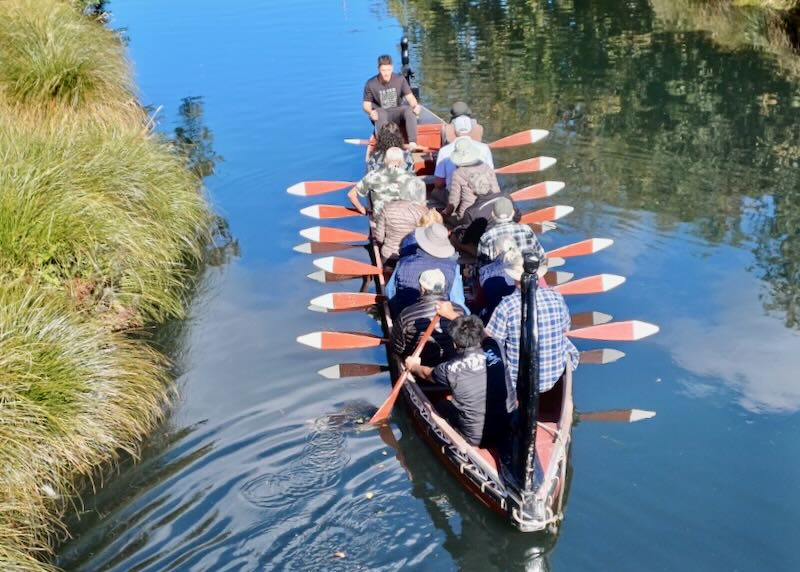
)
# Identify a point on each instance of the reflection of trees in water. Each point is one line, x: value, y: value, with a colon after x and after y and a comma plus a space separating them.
x: 195, y: 141
x: 673, y: 124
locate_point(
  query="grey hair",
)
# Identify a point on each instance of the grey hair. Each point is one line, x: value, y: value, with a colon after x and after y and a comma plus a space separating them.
x: 394, y: 155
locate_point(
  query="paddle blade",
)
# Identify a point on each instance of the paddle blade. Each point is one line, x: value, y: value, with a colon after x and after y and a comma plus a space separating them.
x: 556, y: 278
x: 343, y: 370
x: 538, y: 191
x: 338, y: 265
x: 555, y: 262
x: 543, y: 227
x: 527, y: 137
x: 331, y: 234
x: 533, y: 165
x: 311, y: 188
x: 582, y: 248
x: 339, y: 340
x: 619, y: 415
x: 628, y: 331
x: 357, y: 141
x: 590, y: 285
x: 586, y: 319
x: 346, y: 300
x: 323, y: 247
x: 326, y: 277
x: 323, y: 212
x: 600, y: 357
x: 546, y: 214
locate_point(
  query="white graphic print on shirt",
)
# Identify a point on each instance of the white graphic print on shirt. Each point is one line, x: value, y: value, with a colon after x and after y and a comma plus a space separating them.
x: 388, y: 97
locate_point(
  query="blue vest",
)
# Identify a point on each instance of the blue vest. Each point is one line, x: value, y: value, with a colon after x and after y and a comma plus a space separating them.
x: 407, y: 277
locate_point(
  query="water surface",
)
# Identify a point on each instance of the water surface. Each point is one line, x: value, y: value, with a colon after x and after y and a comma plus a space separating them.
x: 683, y: 150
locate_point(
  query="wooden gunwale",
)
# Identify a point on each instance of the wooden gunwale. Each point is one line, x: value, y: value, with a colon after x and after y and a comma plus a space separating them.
x: 465, y: 462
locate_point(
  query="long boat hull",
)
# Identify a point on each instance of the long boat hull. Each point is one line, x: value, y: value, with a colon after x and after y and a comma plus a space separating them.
x: 480, y: 470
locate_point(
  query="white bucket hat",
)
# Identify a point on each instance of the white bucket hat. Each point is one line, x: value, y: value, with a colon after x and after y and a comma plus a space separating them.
x: 465, y: 152
x: 434, y: 240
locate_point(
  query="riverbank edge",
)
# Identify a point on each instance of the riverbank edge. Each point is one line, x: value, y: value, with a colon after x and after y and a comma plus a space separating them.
x: 124, y: 230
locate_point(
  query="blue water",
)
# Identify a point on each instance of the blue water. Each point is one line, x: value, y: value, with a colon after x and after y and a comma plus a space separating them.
x: 265, y: 465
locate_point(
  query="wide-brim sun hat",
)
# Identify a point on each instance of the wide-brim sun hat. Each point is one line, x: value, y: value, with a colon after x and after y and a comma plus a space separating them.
x: 434, y: 240
x: 465, y: 152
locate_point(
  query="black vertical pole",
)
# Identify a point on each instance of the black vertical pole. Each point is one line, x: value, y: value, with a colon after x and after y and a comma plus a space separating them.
x: 405, y: 60
x: 527, y: 380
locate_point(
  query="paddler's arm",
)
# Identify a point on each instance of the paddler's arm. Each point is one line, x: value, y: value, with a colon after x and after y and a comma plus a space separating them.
x: 412, y: 101
x: 352, y: 194
x: 369, y: 109
x: 414, y: 365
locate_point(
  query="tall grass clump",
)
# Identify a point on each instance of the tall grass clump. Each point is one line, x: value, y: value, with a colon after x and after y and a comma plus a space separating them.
x: 56, y: 62
x: 103, y: 229
x: 115, y: 208
x: 72, y: 396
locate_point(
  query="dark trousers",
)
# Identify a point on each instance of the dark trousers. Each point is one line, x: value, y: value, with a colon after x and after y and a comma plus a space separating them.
x: 402, y: 115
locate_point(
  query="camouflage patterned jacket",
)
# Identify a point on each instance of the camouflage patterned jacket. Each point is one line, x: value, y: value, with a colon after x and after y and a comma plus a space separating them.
x: 383, y: 186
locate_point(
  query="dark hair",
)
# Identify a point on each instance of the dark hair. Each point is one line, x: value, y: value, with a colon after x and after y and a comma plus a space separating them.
x: 466, y: 331
x: 384, y: 60
x: 388, y: 136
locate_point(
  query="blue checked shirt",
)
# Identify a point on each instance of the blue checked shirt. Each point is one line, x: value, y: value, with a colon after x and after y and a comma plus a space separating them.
x: 522, y: 234
x: 552, y: 321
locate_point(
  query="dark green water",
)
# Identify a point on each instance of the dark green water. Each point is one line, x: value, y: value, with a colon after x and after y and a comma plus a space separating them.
x: 684, y: 152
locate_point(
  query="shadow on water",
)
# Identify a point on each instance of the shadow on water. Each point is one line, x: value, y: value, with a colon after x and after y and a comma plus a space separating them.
x: 669, y: 123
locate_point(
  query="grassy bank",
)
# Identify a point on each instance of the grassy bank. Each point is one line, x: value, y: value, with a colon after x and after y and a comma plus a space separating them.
x: 102, y: 230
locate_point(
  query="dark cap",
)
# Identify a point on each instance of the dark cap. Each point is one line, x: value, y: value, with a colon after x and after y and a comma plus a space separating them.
x: 460, y: 108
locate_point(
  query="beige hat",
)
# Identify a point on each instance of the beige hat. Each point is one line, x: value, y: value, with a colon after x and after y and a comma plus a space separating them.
x: 465, y: 152
x: 434, y: 240
x: 503, y: 210
x: 432, y: 281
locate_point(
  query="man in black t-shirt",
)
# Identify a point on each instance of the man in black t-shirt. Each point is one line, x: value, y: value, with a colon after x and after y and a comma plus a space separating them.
x: 383, y: 100
x: 476, y: 377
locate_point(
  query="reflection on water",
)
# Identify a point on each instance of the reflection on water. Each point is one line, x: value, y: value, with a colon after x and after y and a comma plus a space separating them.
x: 683, y: 152
x: 664, y: 123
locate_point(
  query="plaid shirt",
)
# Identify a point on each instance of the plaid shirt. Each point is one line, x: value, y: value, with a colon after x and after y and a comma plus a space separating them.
x: 552, y: 322
x: 522, y: 234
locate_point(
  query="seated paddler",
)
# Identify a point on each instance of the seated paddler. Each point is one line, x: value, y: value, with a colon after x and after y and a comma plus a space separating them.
x: 400, y: 217
x: 433, y: 251
x: 388, y: 97
x: 476, y: 377
x: 461, y: 123
x: 554, y: 349
x: 413, y: 320
x: 383, y: 185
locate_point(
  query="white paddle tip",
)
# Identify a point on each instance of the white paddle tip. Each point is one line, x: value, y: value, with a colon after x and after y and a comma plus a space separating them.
x: 304, y: 248
x: 332, y: 372
x: 640, y: 414
x: 611, y: 281
x: 325, y: 301
x: 561, y: 211
x: 643, y: 329
x: 537, y: 135
x: 599, y: 244
x: 318, y: 276
x: 312, y: 211
x: 555, y: 262
x: 546, y: 162
x: 298, y: 189
x: 311, y: 233
x: 325, y: 263
x: 552, y: 187
x: 314, y: 340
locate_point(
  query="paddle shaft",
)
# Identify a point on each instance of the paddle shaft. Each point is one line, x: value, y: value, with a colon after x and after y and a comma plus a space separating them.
x: 386, y: 408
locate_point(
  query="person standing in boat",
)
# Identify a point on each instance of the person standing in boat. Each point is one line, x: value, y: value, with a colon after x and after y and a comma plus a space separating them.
x: 449, y: 131
x: 383, y: 185
x: 433, y: 251
x: 503, y: 224
x: 414, y: 319
x: 400, y: 217
x: 389, y: 136
x: 554, y: 349
x: 384, y: 97
x: 476, y: 377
